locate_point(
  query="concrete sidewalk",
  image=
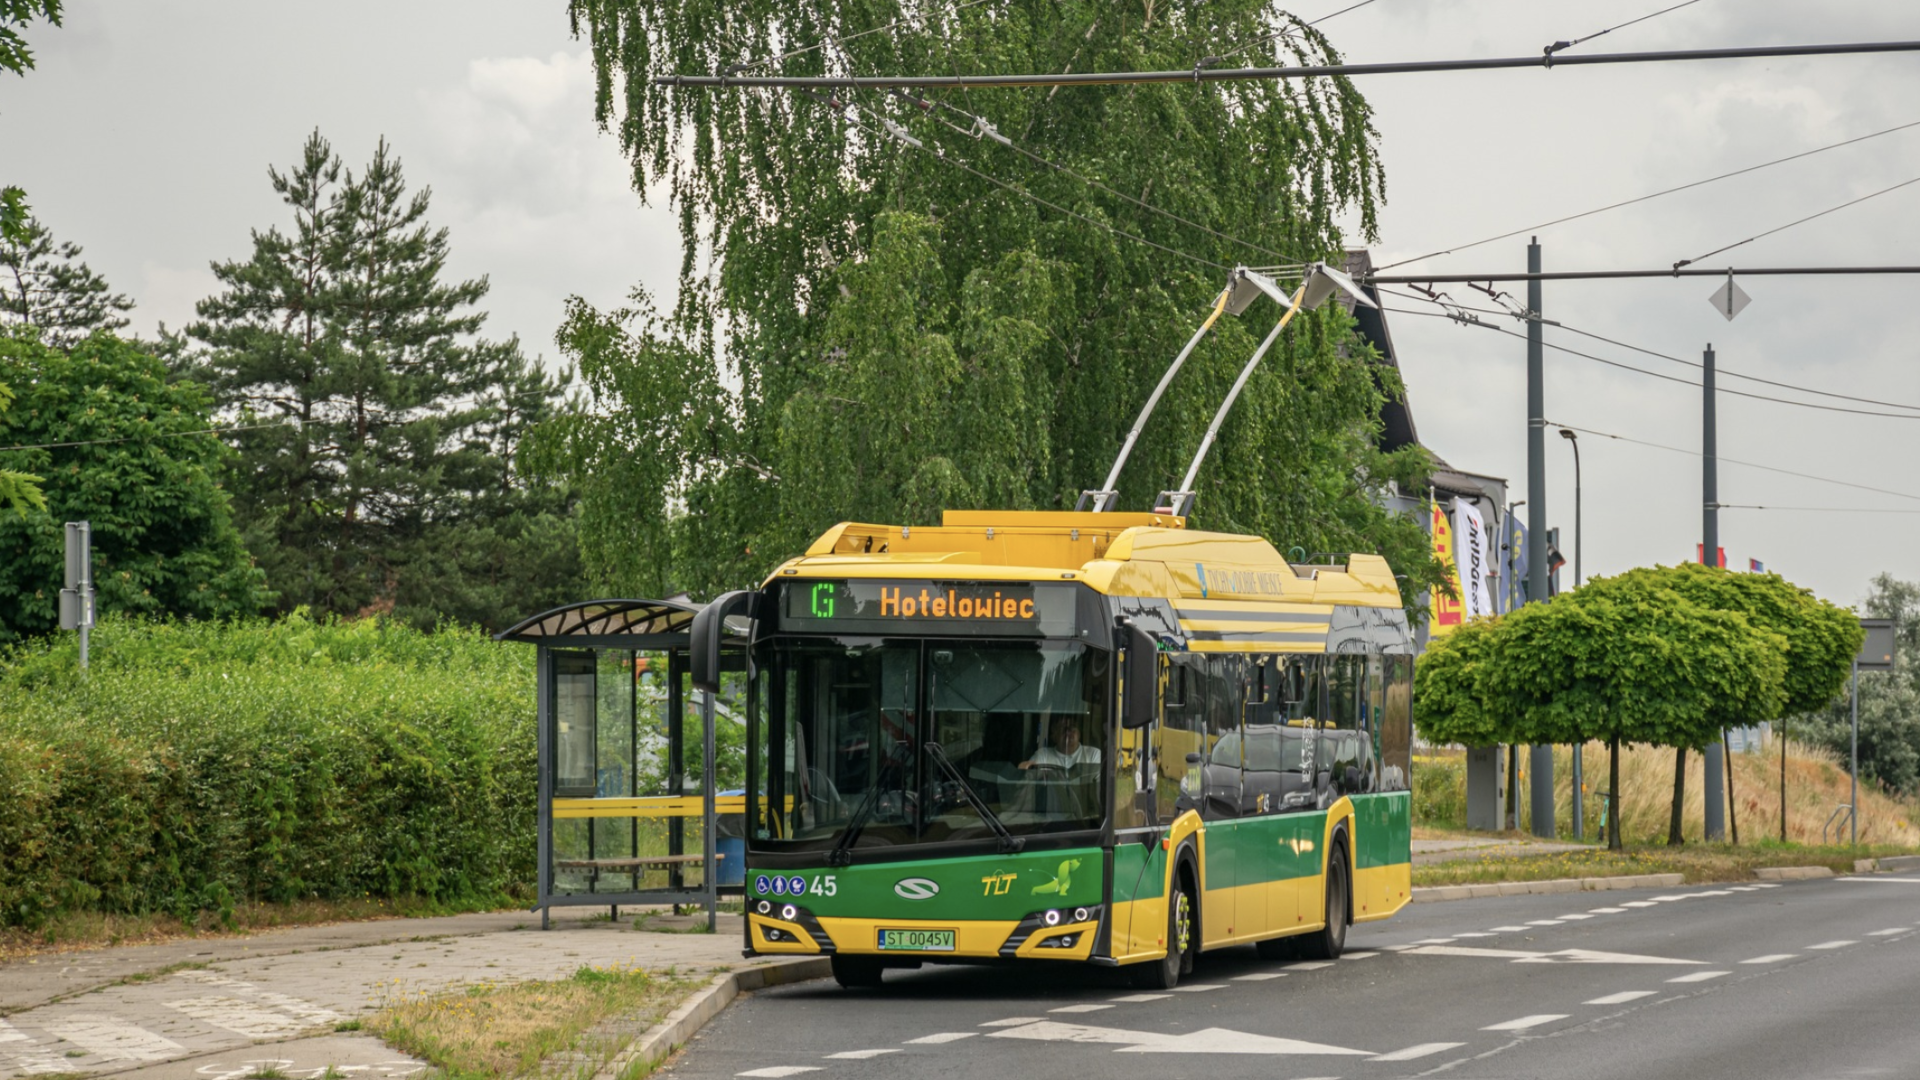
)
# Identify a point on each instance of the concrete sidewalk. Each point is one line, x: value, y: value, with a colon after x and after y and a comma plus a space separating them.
x: 221, y: 1008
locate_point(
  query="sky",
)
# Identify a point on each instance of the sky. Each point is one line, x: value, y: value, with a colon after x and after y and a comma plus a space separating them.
x: 147, y: 131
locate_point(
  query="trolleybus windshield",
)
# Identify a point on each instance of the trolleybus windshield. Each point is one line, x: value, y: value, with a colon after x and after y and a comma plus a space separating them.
x: 874, y: 741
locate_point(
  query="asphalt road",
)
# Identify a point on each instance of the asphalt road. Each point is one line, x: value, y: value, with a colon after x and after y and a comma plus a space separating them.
x: 1801, y: 980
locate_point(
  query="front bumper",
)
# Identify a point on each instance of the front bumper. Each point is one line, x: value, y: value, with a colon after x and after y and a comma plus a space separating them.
x: 1049, y: 934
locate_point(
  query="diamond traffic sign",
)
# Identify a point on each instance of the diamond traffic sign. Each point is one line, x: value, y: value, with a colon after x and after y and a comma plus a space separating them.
x: 1730, y: 299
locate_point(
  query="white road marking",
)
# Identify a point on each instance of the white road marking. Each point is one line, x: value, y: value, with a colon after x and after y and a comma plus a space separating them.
x: 780, y: 1070
x: 1526, y: 1022
x: 1208, y: 1041
x: 1419, y: 1051
x: 1575, y: 918
x: 1890, y: 933
x: 1770, y: 958
x: 1507, y: 929
x: 1136, y: 998
x: 1468, y: 933
x: 860, y: 1055
x: 1196, y: 988
x: 1743, y: 888
x: 1775, y: 884
x: 1079, y: 1008
x: 1435, y: 941
x: 937, y: 1038
x: 1669, y: 899
x: 1698, y: 976
x: 305, y: 1011
x: 1545, y: 922
x: 1359, y: 955
x: 236, y: 1015
x: 1639, y: 903
x: 1562, y: 956
x: 1310, y: 965
x: 1622, y: 997
x: 1258, y: 976
x: 112, y: 1038
x: 1607, y: 911
x: 1716, y: 892
x: 1833, y: 945
x: 23, y: 1055
x: 1013, y: 1021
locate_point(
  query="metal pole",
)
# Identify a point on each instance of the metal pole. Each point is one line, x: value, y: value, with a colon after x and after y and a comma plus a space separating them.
x: 710, y: 822
x: 1853, y: 781
x: 1715, y: 760
x: 1579, y: 765
x: 1153, y: 399
x: 1782, y: 740
x: 1542, y: 756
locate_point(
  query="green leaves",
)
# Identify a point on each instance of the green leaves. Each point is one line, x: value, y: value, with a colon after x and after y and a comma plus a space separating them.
x: 45, y: 286
x: 900, y: 330
x: 143, y: 472
x: 378, y: 478
x: 1638, y: 657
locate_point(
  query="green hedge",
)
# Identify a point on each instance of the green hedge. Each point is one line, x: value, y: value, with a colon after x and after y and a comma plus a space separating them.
x: 199, y: 764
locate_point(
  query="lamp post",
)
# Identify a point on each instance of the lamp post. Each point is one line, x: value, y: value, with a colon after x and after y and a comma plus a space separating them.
x: 1579, y: 773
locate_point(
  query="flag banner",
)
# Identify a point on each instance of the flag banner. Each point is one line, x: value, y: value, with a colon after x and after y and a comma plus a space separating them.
x: 1444, y: 614
x: 1700, y: 555
x: 1517, y: 564
x: 1470, y: 547
x: 1755, y: 566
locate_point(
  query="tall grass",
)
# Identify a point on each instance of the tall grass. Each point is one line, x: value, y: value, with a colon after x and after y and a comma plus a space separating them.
x: 197, y: 765
x: 1816, y: 785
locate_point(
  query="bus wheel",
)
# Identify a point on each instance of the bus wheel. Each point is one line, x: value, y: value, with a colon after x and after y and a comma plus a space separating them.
x: 1164, y: 973
x: 857, y: 972
x: 1327, y: 943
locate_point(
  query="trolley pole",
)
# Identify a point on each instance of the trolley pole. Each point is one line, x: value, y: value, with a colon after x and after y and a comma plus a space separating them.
x: 1542, y: 756
x: 1716, y: 762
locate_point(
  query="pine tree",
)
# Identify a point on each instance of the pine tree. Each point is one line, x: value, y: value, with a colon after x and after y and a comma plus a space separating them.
x: 43, y: 284
x: 396, y: 421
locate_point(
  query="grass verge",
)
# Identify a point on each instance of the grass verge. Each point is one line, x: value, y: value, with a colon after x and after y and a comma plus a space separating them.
x: 93, y: 930
x: 1700, y: 863
x: 490, y: 1031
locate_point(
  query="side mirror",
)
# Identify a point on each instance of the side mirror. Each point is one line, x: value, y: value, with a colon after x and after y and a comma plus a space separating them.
x: 708, y: 629
x: 1142, y: 673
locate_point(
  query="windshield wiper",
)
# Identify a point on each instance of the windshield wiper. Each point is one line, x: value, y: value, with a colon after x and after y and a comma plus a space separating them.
x: 1009, y: 843
x: 842, y: 852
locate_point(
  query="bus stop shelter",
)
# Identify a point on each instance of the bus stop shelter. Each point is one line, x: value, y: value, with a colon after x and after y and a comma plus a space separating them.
x: 621, y: 785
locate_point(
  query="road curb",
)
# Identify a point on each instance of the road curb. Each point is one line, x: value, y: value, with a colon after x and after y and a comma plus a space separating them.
x: 1435, y: 893
x: 1792, y: 873
x: 673, y: 1031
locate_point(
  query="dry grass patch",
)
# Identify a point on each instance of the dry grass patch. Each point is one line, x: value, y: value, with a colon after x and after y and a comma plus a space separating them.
x: 1700, y: 863
x: 498, y: 1031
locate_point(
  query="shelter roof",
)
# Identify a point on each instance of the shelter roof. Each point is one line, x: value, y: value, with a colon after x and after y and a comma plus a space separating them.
x: 604, y: 618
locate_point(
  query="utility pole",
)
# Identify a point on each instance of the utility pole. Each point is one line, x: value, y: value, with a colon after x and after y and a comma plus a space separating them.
x: 1542, y: 756
x: 1716, y: 762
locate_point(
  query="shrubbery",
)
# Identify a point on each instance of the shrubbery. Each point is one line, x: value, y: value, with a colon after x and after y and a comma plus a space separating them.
x: 199, y: 764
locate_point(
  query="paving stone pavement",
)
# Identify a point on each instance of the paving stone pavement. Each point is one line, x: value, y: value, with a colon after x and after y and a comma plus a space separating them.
x: 217, y: 1009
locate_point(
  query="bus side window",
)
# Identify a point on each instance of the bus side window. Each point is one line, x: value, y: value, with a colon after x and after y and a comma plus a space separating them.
x: 1396, y: 725
x: 1341, y: 755
x: 1229, y: 681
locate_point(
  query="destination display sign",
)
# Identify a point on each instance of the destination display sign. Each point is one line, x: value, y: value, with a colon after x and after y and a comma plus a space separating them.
x: 928, y: 607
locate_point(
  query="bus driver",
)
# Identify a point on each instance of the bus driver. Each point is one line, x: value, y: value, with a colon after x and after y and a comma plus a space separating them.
x: 1066, y: 749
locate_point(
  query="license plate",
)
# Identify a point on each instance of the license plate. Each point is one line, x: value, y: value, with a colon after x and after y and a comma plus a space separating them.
x: 917, y: 940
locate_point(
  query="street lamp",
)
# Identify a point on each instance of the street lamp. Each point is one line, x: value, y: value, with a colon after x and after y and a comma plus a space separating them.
x: 1574, y: 439
x: 1579, y: 774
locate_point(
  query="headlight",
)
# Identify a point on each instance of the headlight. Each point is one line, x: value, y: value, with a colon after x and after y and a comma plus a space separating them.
x: 765, y: 907
x: 1052, y: 918
x: 1079, y: 914
x: 789, y: 912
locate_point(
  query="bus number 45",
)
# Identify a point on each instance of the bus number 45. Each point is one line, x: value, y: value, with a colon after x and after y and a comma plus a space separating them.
x: 824, y: 886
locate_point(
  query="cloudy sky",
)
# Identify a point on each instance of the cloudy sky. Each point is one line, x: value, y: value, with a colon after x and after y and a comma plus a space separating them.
x: 146, y: 134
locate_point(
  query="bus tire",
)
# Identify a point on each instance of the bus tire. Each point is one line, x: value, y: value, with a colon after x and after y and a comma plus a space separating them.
x: 1164, y: 973
x: 1327, y: 942
x: 857, y: 972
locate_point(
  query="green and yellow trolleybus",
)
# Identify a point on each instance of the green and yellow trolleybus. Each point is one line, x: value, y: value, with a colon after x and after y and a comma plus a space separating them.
x: 1067, y: 736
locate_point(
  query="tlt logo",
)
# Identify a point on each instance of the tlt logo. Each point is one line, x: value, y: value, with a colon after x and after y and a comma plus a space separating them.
x: 997, y: 884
